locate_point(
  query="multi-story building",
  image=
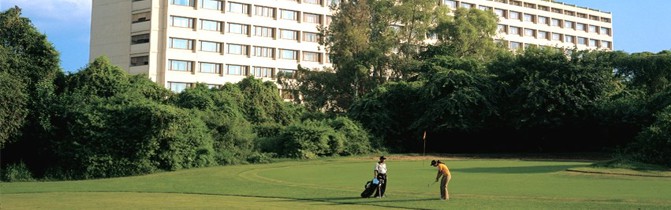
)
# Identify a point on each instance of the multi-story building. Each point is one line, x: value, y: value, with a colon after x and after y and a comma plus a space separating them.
x: 524, y: 23
x: 178, y: 43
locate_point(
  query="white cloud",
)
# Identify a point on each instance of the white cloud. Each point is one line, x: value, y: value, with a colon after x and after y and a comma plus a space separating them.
x: 52, y: 11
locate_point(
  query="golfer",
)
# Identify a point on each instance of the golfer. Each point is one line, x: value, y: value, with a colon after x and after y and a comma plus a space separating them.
x: 380, y: 172
x: 445, y: 173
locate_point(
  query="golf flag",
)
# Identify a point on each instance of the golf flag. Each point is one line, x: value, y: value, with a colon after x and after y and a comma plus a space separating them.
x: 424, y: 136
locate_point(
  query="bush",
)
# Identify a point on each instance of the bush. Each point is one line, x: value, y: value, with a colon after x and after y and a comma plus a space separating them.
x: 356, y: 139
x: 16, y: 173
x: 653, y: 144
x: 309, y: 139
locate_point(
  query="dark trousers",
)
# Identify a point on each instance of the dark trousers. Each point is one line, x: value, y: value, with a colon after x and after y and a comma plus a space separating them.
x: 383, y: 185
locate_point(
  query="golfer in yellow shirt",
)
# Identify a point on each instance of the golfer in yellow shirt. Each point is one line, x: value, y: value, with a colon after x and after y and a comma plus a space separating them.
x: 446, y: 176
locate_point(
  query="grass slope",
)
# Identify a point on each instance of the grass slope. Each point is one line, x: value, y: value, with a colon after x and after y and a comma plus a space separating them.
x: 336, y: 183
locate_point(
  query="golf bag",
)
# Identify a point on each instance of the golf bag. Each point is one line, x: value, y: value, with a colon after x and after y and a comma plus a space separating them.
x: 369, y: 188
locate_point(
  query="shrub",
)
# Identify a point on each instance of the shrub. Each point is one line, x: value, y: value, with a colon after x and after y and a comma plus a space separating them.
x: 356, y: 139
x: 653, y: 144
x: 16, y: 173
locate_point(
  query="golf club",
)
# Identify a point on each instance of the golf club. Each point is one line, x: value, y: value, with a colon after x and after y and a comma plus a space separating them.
x: 429, y: 185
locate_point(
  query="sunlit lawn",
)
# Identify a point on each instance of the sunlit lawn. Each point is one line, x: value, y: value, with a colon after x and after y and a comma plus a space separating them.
x: 336, y: 184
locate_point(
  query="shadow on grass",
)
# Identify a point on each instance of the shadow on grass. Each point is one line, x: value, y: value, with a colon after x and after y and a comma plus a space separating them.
x: 350, y: 200
x: 378, y: 202
x: 517, y: 170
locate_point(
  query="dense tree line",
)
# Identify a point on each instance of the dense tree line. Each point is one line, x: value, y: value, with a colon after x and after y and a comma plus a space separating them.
x: 472, y: 95
x: 102, y: 122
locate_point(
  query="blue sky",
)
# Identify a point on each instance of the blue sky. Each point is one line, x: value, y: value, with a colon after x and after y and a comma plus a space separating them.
x: 638, y: 25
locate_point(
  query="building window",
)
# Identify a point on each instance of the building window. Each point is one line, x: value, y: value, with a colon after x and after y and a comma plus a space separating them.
x: 238, y: 28
x: 606, y: 44
x: 288, y: 54
x: 177, y: 43
x: 501, y: 28
x: 569, y: 39
x: 211, y: 4
x: 529, y: 32
x: 139, y: 39
x: 288, y: 34
x: 580, y: 27
x: 141, y: 17
x: 236, y: 70
x: 592, y: 29
x: 288, y: 72
x: 451, y: 4
x: 515, y: 45
x: 264, y: 11
x: 484, y: 8
x: 210, y: 25
x: 214, y: 68
x: 265, y: 52
x: 310, y: 37
x: 543, y: 20
x: 466, y: 5
x: 182, y: 22
x: 593, y: 43
x: 514, y: 15
x: 261, y: 72
x: 139, y: 60
x: 555, y: 22
x: 568, y: 24
x: 515, y: 30
x: 288, y: 15
x: 605, y: 30
x: 312, y: 1
x: 239, y: 8
x: 582, y: 40
x: 237, y: 49
x: 501, y: 13
x: 178, y: 65
x: 311, y: 56
x: 178, y: 87
x: 312, y: 18
x: 264, y: 31
x: 528, y: 18
x: 182, y: 2
x: 556, y: 37
x: 207, y: 46
x: 543, y: 35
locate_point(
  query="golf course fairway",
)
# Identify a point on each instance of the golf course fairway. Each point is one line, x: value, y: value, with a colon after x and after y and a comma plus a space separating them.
x: 335, y: 183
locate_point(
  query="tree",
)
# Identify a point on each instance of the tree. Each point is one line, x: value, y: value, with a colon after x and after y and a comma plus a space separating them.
x: 648, y: 71
x: 471, y: 33
x: 548, y: 96
x: 13, y: 107
x: 29, y: 59
x: 358, y: 41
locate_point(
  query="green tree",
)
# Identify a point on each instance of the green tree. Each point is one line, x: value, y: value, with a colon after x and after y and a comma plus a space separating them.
x: 13, y: 107
x: 470, y: 32
x: 653, y: 144
x: 548, y: 97
x: 648, y: 71
x: 31, y: 60
x: 358, y: 40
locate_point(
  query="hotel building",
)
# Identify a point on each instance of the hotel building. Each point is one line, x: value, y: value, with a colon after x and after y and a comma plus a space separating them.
x: 178, y: 43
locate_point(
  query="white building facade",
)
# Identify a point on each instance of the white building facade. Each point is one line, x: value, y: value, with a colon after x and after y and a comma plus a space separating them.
x: 178, y: 43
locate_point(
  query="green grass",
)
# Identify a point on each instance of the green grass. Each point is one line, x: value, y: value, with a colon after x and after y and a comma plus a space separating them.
x: 336, y: 183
